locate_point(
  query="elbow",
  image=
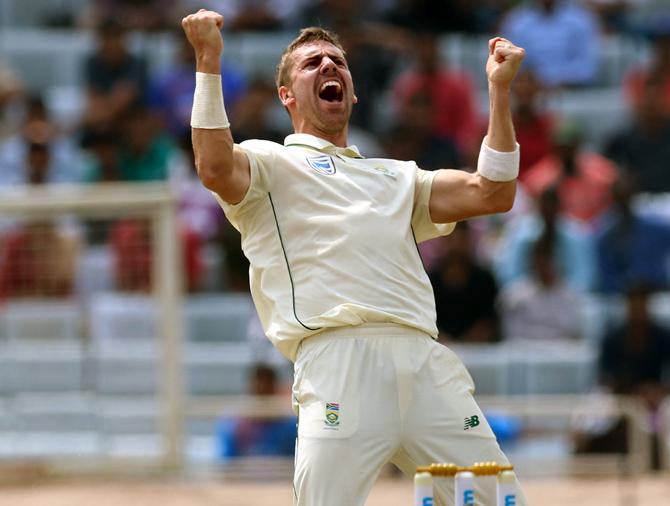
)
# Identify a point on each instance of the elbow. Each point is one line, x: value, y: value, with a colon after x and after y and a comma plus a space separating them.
x: 505, y: 205
x: 502, y: 201
x: 208, y: 177
x: 211, y: 175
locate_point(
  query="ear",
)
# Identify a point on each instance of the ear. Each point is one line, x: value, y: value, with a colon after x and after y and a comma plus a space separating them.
x: 355, y: 99
x: 286, y: 96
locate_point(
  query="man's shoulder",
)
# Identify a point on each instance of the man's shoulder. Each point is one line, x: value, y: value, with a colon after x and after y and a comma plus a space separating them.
x: 261, y: 147
x: 261, y: 144
x: 403, y: 164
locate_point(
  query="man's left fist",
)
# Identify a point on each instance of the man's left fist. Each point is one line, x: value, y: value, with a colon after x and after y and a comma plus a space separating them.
x: 504, y: 61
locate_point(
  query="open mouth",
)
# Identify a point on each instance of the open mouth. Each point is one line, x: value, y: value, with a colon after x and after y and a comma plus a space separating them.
x: 331, y: 91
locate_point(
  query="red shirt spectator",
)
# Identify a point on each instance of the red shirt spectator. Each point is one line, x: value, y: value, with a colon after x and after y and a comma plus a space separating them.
x: 37, y: 261
x: 131, y: 243
x: 534, y: 134
x: 533, y: 125
x: 452, y: 95
x: 635, y: 83
x: 584, y: 193
x: 657, y: 70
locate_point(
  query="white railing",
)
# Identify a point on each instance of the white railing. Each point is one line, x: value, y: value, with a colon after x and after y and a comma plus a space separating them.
x: 153, y: 202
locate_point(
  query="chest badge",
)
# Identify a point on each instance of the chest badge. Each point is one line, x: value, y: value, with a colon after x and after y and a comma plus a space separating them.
x: 322, y: 164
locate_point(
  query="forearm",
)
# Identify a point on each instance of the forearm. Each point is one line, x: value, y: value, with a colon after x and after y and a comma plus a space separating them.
x: 500, y: 135
x: 208, y: 62
x: 498, y: 164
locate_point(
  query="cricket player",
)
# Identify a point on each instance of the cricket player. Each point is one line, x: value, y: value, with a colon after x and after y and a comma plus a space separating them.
x: 335, y: 271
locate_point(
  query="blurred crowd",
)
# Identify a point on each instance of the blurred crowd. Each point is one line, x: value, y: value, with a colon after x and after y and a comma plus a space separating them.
x: 582, y: 223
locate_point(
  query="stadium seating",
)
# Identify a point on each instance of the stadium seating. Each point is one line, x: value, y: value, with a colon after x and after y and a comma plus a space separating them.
x: 217, y: 317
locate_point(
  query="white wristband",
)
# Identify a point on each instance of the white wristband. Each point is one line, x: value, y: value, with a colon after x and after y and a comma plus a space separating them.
x: 498, y: 166
x: 208, y: 110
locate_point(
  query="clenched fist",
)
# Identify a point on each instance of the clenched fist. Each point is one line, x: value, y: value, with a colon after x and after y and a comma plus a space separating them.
x: 504, y: 61
x: 203, y: 31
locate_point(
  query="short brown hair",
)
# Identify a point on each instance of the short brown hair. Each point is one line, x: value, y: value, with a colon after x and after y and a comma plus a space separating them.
x: 306, y: 36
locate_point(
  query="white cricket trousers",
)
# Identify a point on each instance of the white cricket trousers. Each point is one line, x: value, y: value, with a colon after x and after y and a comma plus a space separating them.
x: 379, y: 393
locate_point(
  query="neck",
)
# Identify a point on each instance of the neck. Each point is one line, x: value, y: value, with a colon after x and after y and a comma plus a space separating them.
x: 338, y: 139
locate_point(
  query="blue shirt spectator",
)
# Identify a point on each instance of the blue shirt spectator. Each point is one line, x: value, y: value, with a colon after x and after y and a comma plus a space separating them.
x: 561, y: 39
x: 170, y: 93
x: 632, y: 247
x: 573, y: 248
x: 258, y: 436
x: 629, y: 246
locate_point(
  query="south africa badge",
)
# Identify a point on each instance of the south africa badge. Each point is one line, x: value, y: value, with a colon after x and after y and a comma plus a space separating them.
x: 332, y: 414
x: 322, y: 164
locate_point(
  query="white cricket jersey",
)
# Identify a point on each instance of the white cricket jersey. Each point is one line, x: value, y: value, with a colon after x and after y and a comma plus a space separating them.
x: 332, y: 239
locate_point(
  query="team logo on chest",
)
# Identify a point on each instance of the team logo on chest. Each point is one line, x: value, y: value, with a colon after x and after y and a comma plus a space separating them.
x: 322, y: 164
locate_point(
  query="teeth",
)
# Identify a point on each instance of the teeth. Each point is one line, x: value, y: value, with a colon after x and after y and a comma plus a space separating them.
x: 329, y: 83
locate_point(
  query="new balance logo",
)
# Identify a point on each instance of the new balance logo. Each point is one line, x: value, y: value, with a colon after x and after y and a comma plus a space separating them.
x: 471, y: 422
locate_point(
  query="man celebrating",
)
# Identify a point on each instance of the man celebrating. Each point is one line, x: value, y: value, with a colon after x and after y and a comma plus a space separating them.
x: 335, y: 272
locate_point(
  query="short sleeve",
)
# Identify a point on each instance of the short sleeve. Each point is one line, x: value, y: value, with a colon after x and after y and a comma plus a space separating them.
x: 423, y: 226
x: 261, y: 156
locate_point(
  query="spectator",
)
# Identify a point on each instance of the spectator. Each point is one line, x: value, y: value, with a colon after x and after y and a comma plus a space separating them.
x: 561, y: 39
x: 656, y: 71
x: 258, y: 436
x: 333, y: 13
x: 66, y: 164
x: 132, y: 249
x: 643, y: 146
x: 582, y: 178
x: 445, y: 16
x: 412, y: 137
x: 114, y: 78
x: 37, y: 259
x: 133, y: 14
x: 633, y: 359
x: 253, y: 119
x: 541, y: 305
x: 634, y: 355
x: 465, y: 292
x: 11, y: 90
x: 614, y: 14
x: 532, y: 123
x: 170, y: 94
x: 451, y: 94
x: 249, y: 15
x: 102, y: 149
x: 146, y: 153
x: 572, y: 247
x: 631, y: 246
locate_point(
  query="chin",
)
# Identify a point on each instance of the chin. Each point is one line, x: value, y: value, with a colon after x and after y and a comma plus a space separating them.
x: 333, y: 125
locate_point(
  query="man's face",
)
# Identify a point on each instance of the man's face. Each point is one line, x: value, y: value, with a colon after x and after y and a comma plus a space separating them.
x: 320, y: 94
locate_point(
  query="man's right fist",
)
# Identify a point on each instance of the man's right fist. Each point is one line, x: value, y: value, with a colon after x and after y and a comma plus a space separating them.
x: 203, y: 31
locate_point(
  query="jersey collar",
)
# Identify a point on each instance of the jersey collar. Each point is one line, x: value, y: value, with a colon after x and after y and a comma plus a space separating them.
x: 321, y: 145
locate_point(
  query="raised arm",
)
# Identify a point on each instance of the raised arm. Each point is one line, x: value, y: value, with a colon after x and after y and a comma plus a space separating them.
x: 457, y: 195
x: 222, y: 167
